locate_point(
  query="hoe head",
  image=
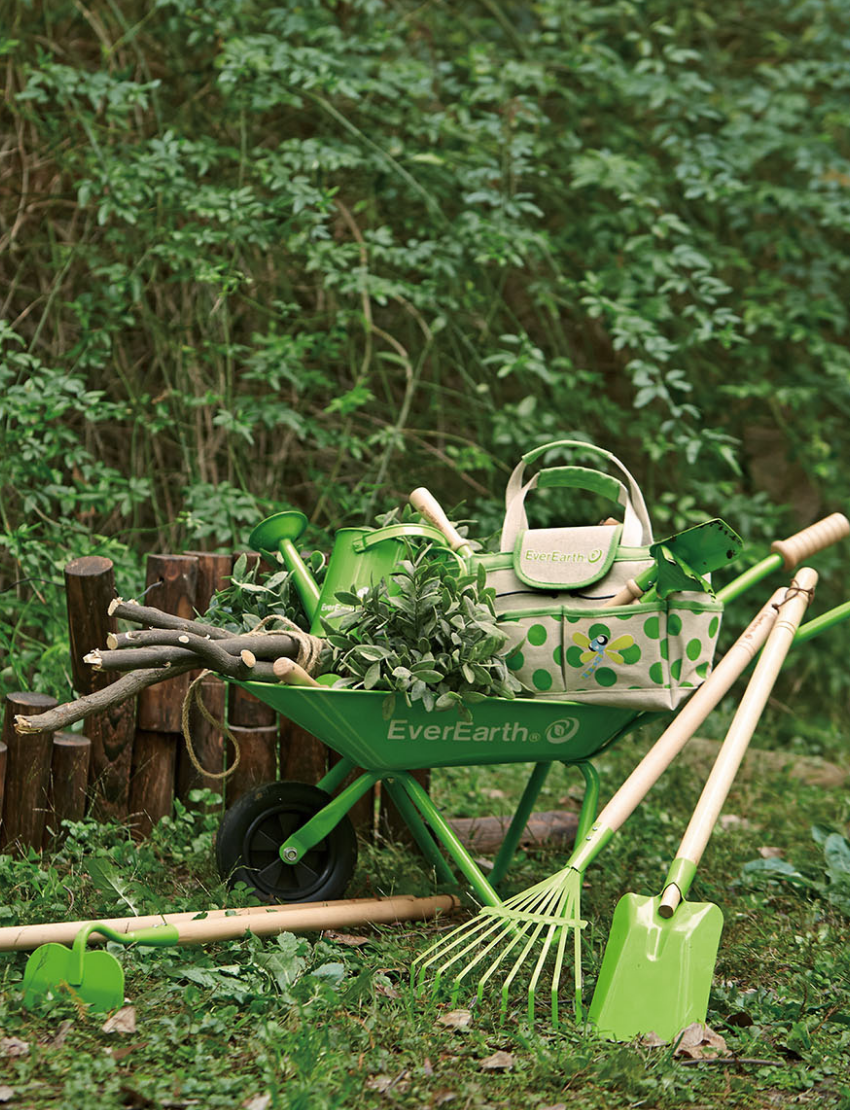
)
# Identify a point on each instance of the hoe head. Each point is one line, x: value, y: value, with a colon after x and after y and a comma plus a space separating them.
x: 656, y: 972
x: 95, y: 977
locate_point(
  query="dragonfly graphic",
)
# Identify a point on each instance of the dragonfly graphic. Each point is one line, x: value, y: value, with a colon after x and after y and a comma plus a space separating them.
x: 599, y: 648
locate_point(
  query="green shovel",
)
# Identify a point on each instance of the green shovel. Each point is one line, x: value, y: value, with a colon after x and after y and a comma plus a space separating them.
x: 658, y: 965
x: 95, y: 977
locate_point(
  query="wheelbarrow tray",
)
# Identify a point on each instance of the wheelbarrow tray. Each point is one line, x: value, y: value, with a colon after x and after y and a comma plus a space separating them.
x: 522, y: 730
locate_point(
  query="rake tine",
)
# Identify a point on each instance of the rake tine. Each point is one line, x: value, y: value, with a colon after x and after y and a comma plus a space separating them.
x: 559, y: 926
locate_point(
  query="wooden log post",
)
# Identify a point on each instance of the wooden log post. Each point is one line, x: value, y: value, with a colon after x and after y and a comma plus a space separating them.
x: 257, y: 759
x: 4, y: 755
x: 254, y: 726
x: 89, y: 589
x: 28, y: 758
x: 303, y: 758
x: 171, y: 585
x: 207, y: 741
x: 69, y: 777
x: 390, y: 822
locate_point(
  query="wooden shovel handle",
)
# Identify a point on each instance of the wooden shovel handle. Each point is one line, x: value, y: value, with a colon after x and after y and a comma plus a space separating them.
x: 744, y: 723
x: 811, y: 540
x: 690, y: 717
x: 428, y: 506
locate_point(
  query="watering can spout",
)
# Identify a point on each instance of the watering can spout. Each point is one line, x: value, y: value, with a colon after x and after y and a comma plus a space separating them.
x: 278, y: 533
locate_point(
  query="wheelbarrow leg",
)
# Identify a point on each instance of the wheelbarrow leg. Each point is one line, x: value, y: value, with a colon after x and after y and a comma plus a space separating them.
x: 518, y: 822
x: 419, y: 831
x: 463, y: 860
x: 590, y: 802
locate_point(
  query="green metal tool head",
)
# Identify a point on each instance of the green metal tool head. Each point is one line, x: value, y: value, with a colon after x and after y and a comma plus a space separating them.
x: 656, y: 972
x: 97, y: 979
x: 684, y: 558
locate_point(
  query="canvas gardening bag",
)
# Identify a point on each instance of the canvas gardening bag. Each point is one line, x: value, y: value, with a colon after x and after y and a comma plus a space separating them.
x: 551, y: 586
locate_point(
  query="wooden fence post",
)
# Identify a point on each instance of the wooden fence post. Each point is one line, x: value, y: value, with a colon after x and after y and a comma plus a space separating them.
x: 27, y: 774
x: 171, y: 584
x: 89, y: 589
x: 207, y: 742
x: 69, y: 776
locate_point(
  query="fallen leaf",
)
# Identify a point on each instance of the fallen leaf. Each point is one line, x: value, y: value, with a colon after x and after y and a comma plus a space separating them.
x: 770, y: 853
x: 13, y: 1046
x: 345, y: 939
x: 499, y: 1061
x: 6, y: 1093
x: 733, y: 821
x: 456, y: 1019
x: 379, y: 1083
x: 61, y: 1034
x: 494, y: 792
x: 652, y: 1040
x: 554, y: 1106
x: 122, y: 1021
x: 700, y: 1043
x: 258, y: 1102
x: 444, y: 1096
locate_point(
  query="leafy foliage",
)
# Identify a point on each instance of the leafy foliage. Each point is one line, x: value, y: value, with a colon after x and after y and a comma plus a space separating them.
x: 833, y: 881
x: 429, y: 635
x: 298, y: 255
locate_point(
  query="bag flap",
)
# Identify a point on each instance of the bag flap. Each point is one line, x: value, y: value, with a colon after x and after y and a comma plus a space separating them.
x: 565, y: 558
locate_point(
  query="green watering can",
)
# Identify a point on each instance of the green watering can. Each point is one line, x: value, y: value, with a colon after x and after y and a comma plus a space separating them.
x: 360, y: 558
x: 96, y: 977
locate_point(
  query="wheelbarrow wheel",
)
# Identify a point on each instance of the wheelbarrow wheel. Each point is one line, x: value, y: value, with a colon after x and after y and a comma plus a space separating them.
x: 253, y: 830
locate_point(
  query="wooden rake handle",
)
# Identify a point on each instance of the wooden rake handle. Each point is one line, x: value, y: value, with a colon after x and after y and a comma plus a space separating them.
x: 737, y: 739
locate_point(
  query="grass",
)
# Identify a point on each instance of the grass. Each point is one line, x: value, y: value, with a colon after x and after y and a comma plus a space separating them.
x: 313, y: 1023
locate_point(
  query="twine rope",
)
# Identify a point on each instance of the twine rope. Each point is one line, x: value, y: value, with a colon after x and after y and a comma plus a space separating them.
x: 309, y: 651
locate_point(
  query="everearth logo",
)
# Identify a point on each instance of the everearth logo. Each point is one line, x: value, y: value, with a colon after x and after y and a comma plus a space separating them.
x: 458, y: 732
x: 560, y: 731
x: 563, y: 556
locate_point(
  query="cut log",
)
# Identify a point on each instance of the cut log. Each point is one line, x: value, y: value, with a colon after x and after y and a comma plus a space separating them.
x: 484, y: 835
x: 27, y: 774
x: 152, y: 780
x: 171, y: 585
x: 303, y: 758
x: 207, y: 742
x: 257, y: 759
x: 69, y: 777
x: 89, y: 591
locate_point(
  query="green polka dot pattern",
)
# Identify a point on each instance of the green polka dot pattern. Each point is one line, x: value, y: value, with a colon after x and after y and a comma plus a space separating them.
x: 542, y: 680
x: 694, y: 650
x: 537, y: 635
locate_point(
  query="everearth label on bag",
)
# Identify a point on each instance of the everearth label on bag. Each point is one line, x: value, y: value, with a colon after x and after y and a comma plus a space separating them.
x: 565, y: 558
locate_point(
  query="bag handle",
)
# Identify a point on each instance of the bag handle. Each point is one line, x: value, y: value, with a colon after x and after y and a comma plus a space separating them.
x: 637, y: 530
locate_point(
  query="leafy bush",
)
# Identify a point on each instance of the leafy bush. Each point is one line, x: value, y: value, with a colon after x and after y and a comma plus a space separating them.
x: 301, y: 255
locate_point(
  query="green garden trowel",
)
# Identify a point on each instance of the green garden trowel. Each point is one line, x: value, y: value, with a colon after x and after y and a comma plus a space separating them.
x: 95, y: 977
x: 682, y: 561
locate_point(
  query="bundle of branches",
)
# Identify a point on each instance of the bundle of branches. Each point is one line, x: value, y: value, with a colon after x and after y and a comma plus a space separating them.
x: 171, y: 645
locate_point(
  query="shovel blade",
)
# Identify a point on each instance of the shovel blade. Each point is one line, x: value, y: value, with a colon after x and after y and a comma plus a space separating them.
x: 53, y: 968
x: 656, y: 973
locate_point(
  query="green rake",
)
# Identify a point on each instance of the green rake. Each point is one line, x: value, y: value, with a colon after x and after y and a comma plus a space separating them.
x: 546, y: 914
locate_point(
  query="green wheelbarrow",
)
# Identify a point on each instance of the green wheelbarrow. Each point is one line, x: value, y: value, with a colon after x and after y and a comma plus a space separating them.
x: 294, y: 842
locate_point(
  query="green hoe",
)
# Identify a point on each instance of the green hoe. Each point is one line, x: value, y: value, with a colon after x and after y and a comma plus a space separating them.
x: 658, y: 965
x: 95, y: 977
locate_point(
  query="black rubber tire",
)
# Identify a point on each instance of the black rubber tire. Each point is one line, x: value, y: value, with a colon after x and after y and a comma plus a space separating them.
x: 253, y: 829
